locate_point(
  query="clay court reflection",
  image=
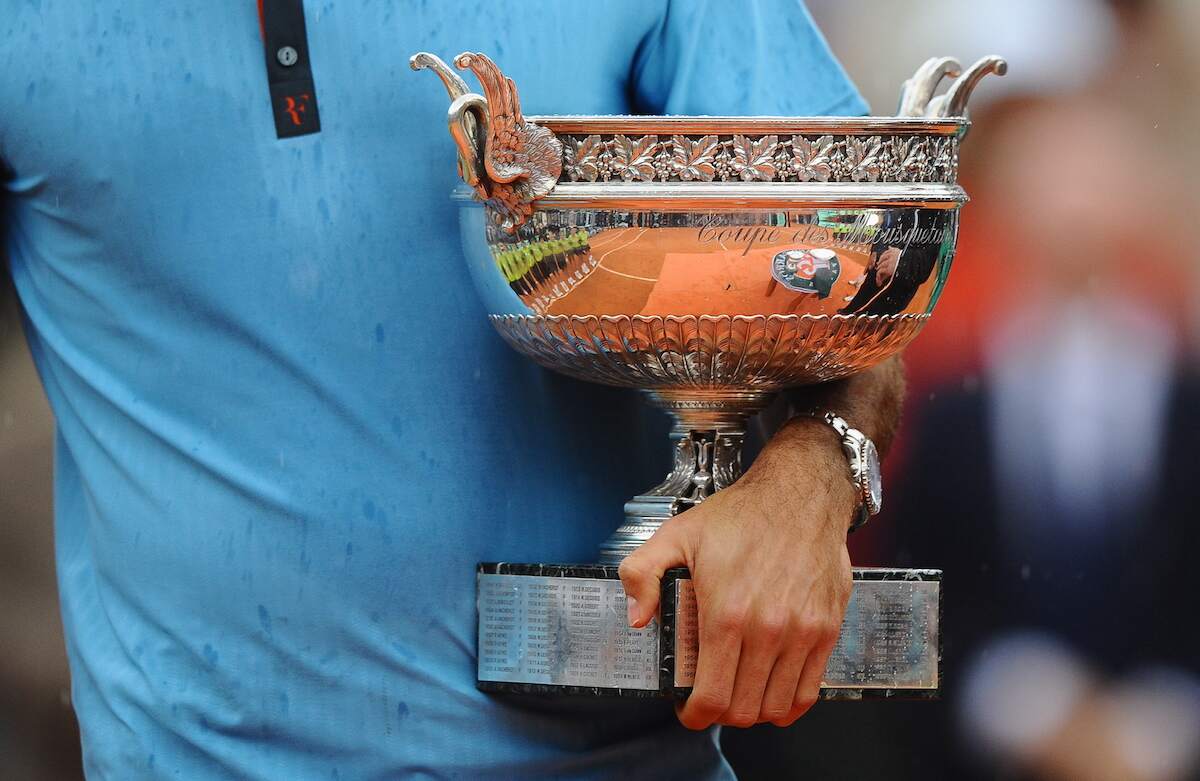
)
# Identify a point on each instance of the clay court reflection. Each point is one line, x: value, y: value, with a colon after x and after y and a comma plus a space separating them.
x: 808, y: 262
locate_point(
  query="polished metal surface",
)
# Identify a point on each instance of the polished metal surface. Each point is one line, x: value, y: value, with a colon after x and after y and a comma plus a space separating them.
x: 670, y: 124
x: 916, y: 95
x: 720, y: 197
x: 888, y: 640
x: 917, y: 92
x: 864, y: 463
x: 563, y: 632
x: 709, y: 351
x: 708, y: 260
x: 954, y: 102
x: 568, y: 631
x: 710, y: 425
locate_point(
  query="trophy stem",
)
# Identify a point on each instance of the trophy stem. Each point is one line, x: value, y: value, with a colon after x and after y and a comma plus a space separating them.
x: 710, y: 425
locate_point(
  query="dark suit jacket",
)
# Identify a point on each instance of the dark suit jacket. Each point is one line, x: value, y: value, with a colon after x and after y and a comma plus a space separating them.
x: 1123, y: 604
x: 1114, y: 599
x: 1123, y: 601
x: 917, y: 262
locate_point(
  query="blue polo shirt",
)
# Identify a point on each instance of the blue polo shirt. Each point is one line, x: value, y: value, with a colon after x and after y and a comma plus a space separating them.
x: 286, y: 432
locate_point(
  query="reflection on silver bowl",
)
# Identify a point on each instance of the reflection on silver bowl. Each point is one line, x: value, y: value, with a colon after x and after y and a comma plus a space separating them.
x: 707, y: 260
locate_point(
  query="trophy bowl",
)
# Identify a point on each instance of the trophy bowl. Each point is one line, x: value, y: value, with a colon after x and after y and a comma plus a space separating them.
x: 708, y: 261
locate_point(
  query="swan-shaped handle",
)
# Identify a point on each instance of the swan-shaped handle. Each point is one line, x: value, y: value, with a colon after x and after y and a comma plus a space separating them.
x: 509, y: 161
x: 954, y: 102
x: 916, y: 93
x: 916, y: 96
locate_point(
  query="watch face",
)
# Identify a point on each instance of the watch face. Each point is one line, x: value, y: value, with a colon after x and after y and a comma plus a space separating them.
x: 874, y: 480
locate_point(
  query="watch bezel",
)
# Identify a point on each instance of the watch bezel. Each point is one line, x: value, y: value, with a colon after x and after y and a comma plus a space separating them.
x: 865, y: 466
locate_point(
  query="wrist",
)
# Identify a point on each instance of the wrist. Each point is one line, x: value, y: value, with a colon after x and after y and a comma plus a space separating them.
x: 871, y: 400
x: 862, y: 463
x: 806, y: 451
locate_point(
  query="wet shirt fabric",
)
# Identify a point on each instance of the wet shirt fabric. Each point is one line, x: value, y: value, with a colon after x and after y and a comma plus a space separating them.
x: 286, y: 431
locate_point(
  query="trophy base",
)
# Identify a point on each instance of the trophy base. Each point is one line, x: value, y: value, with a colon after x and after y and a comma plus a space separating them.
x: 561, y: 629
x: 710, y: 424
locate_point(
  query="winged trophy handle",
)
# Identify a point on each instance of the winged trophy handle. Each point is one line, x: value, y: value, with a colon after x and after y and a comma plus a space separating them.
x: 509, y: 161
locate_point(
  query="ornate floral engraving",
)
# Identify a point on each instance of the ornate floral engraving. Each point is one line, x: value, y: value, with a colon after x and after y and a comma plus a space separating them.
x: 862, y: 158
x: 693, y: 160
x: 711, y: 351
x: 944, y: 156
x: 755, y: 160
x: 707, y: 158
x: 581, y: 158
x: 811, y: 158
x: 633, y: 159
x: 906, y: 161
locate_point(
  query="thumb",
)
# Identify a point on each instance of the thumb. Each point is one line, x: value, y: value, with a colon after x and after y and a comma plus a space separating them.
x: 642, y: 571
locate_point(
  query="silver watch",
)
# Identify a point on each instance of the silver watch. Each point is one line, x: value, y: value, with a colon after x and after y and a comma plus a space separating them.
x: 864, y: 466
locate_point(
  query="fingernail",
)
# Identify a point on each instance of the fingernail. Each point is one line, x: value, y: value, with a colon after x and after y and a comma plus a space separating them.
x: 632, y: 608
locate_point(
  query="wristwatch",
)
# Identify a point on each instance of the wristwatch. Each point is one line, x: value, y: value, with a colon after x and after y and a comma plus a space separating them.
x: 864, y: 466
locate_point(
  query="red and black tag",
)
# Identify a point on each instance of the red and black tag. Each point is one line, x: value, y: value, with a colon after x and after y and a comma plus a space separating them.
x: 289, y: 69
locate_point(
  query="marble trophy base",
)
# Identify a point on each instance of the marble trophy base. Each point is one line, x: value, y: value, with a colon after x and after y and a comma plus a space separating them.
x: 560, y: 629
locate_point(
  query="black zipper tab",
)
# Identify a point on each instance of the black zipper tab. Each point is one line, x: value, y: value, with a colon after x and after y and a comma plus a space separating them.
x: 289, y: 70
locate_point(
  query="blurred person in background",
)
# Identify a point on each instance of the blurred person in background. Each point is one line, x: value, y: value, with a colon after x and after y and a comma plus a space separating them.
x: 1057, y: 488
x: 1056, y: 484
x: 1069, y: 534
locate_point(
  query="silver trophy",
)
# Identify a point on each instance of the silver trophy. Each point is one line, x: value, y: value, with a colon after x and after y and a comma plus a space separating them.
x: 709, y: 262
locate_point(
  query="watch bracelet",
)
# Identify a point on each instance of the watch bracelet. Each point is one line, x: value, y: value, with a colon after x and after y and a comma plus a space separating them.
x: 831, y: 419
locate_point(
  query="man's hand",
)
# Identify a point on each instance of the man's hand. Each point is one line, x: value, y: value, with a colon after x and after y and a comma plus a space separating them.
x: 772, y: 577
x: 769, y: 563
x: 885, y: 269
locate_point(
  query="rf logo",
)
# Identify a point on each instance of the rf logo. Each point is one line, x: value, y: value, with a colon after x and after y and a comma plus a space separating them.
x: 295, y: 106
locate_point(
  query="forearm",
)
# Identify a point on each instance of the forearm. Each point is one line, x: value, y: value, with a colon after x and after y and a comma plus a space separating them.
x: 870, y: 401
x: 769, y: 561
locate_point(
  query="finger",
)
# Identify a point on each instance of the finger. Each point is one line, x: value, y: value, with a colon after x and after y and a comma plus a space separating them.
x: 755, y: 664
x: 769, y: 634
x: 641, y: 572
x: 720, y: 630
x: 809, y: 688
x: 778, y: 699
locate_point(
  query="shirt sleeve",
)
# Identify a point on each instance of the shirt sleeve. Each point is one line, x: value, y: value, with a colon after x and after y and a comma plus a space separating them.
x: 751, y: 57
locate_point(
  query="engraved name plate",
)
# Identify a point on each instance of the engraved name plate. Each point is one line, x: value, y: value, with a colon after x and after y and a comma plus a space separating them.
x: 562, y: 629
x: 889, y: 638
x: 562, y: 632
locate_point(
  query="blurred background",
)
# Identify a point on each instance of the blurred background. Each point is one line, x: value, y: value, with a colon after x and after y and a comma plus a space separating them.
x: 1047, y: 461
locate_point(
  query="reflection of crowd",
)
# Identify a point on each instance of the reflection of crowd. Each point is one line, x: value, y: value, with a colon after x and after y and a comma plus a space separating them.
x: 902, y: 258
x: 547, y: 269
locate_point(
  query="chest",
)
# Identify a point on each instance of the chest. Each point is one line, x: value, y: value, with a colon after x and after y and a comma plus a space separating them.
x: 140, y: 113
